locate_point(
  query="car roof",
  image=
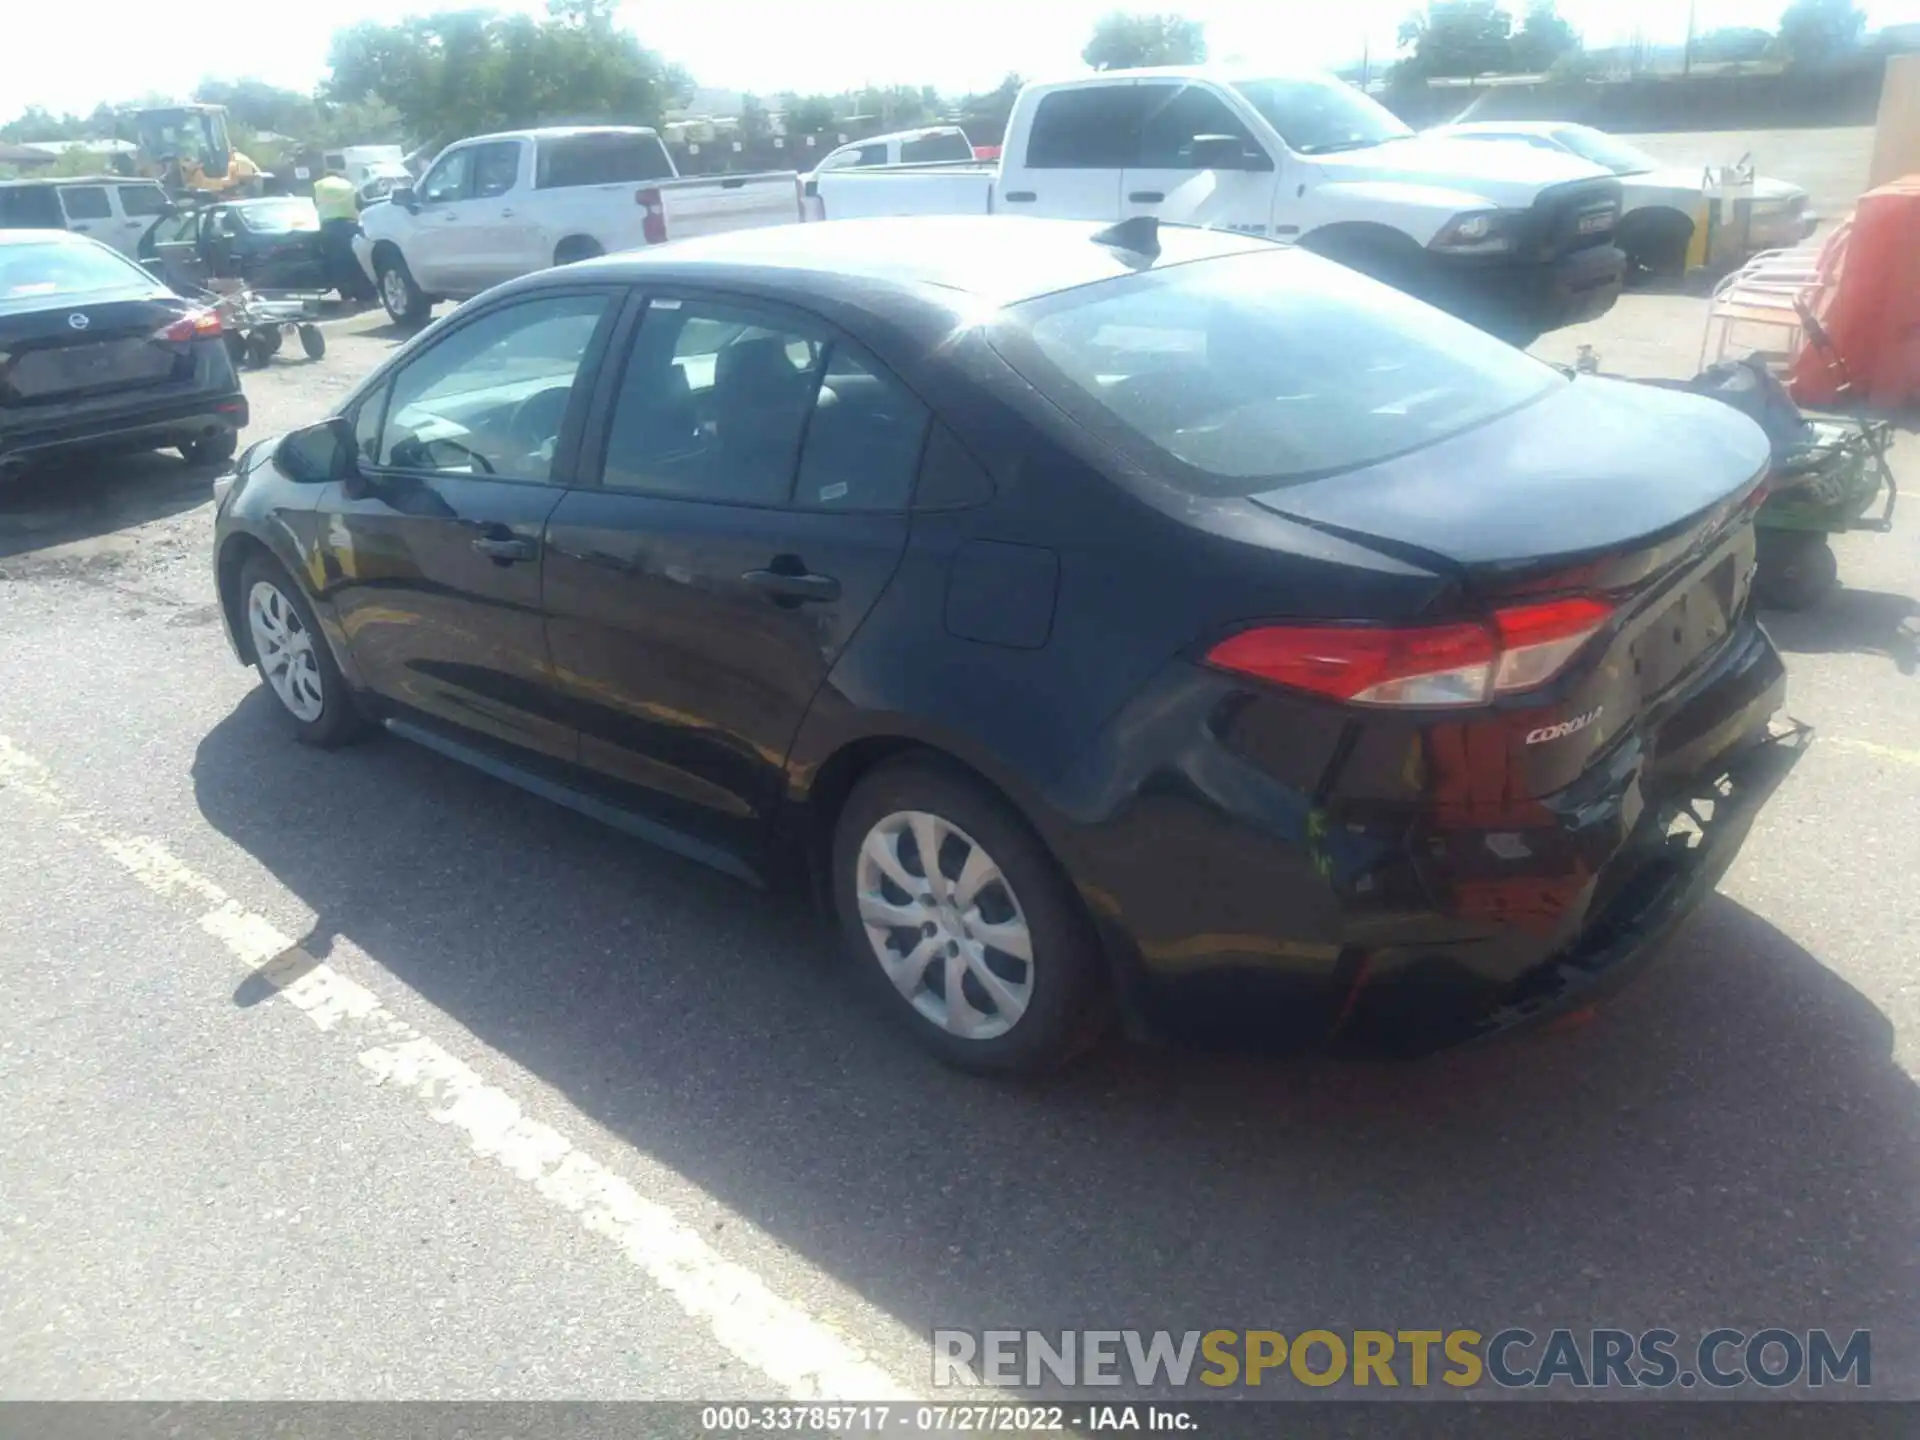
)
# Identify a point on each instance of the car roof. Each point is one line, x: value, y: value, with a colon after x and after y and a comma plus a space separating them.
x: 50, y: 237
x: 1001, y: 259
x: 54, y: 181
x: 556, y: 132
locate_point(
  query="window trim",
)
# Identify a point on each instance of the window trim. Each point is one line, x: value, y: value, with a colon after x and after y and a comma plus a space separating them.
x: 592, y: 467
x: 566, y: 454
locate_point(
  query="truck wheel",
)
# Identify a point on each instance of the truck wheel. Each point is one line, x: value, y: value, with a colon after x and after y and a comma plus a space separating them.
x: 1796, y: 570
x: 313, y: 340
x: 575, y: 248
x: 1655, y: 243
x: 406, y: 303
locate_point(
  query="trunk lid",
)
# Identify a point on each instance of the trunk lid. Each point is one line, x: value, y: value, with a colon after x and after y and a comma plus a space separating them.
x: 1636, y: 495
x: 56, y: 350
x: 1599, y: 485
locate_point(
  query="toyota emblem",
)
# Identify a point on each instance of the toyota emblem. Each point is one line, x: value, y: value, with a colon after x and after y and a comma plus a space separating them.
x: 78, y: 322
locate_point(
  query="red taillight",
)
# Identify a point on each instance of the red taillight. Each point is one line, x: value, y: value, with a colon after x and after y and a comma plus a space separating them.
x: 198, y: 326
x: 1515, y: 649
x: 654, y: 227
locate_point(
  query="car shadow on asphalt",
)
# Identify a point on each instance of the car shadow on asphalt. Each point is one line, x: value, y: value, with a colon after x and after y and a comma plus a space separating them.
x: 1728, y: 1142
x: 91, y: 496
x: 1853, y: 622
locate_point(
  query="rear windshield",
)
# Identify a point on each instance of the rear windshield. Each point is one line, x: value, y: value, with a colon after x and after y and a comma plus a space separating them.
x: 279, y: 217
x: 1259, y: 369
x: 942, y: 145
x: 605, y: 158
x: 58, y: 268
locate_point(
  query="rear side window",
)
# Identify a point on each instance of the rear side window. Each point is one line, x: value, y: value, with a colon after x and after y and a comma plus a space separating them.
x: 86, y: 202
x: 1242, y: 373
x: 928, y: 149
x: 30, y: 207
x: 142, y: 200
x: 864, y: 439
x: 1091, y: 128
x: 601, y: 158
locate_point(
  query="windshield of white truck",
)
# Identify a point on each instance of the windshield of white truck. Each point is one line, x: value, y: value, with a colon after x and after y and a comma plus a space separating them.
x: 1601, y: 148
x: 605, y: 157
x: 1237, y: 374
x: 1317, y: 117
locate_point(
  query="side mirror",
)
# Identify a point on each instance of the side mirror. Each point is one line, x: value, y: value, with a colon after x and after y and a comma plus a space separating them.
x: 405, y: 197
x: 1226, y: 152
x: 318, y: 453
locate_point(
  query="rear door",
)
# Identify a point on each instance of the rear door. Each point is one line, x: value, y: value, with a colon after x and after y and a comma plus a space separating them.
x: 88, y: 211
x: 754, y: 472
x: 1076, y: 151
x: 435, y: 547
x: 1163, y: 177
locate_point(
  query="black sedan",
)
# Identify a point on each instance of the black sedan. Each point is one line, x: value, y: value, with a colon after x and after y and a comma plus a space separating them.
x: 273, y: 243
x: 95, y: 354
x: 1141, y: 620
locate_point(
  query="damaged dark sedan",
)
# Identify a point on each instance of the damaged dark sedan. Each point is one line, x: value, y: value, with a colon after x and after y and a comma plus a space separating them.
x: 1139, y: 620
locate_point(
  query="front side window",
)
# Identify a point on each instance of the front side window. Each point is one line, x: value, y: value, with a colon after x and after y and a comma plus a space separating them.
x: 496, y: 169
x: 86, y: 202
x: 1089, y: 128
x: 1239, y: 374
x: 489, y: 399
x: 143, y: 200
x: 448, y: 180
x: 713, y: 403
x: 870, y: 155
x: 1176, y: 116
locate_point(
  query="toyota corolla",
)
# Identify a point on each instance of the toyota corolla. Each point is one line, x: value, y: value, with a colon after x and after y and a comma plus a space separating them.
x: 1134, y: 621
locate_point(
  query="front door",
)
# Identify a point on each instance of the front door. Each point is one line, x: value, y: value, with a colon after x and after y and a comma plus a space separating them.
x: 497, y: 234
x: 434, y: 551
x: 440, y: 250
x: 1166, y: 177
x: 173, y: 244
x: 754, y: 478
x: 138, y: 206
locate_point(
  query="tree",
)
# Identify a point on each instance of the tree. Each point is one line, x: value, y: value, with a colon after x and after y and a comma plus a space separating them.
x: 1123, y: 42
x: 754, y: 122
x: 1816, y: 30
x: 38, y: 123
x: 1731, y: 43
x: 810, y: 115
x: 1545, y: 38
x: 1458, y: 37
x: 256, y: 105
x: 465, y: 72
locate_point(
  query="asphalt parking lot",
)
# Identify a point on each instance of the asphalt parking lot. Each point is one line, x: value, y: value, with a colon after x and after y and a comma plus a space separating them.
x: 217, y: 1183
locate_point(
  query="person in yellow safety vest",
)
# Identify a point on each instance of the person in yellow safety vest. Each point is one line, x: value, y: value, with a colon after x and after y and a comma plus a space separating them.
x: 339, y: 206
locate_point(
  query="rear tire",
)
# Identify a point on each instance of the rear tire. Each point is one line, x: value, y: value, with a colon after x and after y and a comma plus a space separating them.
x: 406, y: 304
x: 1796, y: 570
x: 294, y: 660
x: 211, y: 449
x: 992, y: 892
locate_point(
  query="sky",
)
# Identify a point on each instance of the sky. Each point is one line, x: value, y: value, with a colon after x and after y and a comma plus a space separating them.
x: 764, y: 46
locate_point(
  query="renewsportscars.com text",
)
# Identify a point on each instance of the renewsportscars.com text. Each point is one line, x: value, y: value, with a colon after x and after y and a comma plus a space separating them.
x: 1658, y: 1359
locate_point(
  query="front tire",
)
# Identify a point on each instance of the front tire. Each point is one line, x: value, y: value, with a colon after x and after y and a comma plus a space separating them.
x: 406, y: 303
x: 953, y: 909
x: 294, y: 659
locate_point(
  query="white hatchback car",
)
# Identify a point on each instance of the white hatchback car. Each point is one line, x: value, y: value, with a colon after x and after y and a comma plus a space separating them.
x: 1661, y: 202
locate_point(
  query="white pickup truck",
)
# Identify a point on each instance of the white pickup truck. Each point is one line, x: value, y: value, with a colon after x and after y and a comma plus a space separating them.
x: 1516, y: 239
x: 499, y: 206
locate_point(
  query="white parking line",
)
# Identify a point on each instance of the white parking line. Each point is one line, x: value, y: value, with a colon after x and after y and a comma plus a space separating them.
x: 802, y: 1354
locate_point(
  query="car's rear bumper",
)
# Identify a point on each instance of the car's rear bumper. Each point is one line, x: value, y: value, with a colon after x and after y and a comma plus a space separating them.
x: 1244, y: 909
x: 144, y: 425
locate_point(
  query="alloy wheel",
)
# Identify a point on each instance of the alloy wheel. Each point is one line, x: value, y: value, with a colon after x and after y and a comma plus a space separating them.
x: 945, y: 925
x: 284, y: 646
x: 393, y: 291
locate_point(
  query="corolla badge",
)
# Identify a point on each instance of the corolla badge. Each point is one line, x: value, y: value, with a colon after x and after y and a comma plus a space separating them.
x: 1564, y: 728
x: 78, y: 322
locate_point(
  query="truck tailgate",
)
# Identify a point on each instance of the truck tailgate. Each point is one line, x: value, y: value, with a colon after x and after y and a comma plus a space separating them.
x: 896, y: 190
x: 709, y: 205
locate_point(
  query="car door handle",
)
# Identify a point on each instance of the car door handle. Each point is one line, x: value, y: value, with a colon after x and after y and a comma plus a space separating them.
x: 1021, y: 197
x: 505, y: 551
x: 1146, y: 197
x: 83, y: 229
x: 779, y: 586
